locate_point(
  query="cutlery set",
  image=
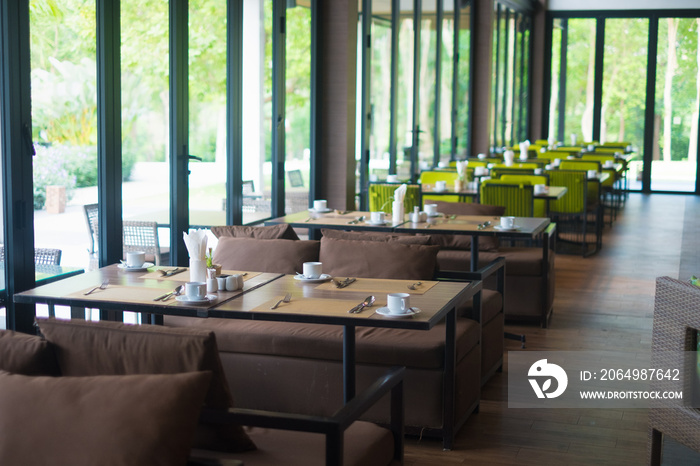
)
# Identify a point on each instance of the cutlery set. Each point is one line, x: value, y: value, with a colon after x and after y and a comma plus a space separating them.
x: 481, y: 226
x: 414, y: 286
x: 343, y: 283
x: 287, y: 298
x: 359, y: 219
x: 177, y: 292
x: 369, y: 300
x: 101, y: 287
x: 170, y: 273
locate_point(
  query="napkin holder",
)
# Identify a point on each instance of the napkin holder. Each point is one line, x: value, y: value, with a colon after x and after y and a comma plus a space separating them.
x: 397, y: 212
x: 198, y: 270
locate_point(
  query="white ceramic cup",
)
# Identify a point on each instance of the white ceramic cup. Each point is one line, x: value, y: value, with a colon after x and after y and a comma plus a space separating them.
x: 538, y: 171
x: 320, y: 205
x: 196, y: 290
x: 540, y: 188
x: 431, y: 209
x: 312, y: 270
x: 221, y: 282
x: 548, y: 167
x: 592, y: 173
x: 377, y: 217
x: 212, y: 285
x: 556, y: 162
x: 135, y: 259
x: 507, y: 222
x: 479, y: 171
x: 392, y: 178
x: 440, y: 185
x: 398, y: 303
x: 481, y: 156
x: 609, y: 163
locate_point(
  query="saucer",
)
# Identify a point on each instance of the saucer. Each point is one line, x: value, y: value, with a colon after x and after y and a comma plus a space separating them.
x: 323, y: 211
x: 385, y: 312
x: 437, y: 214
x: 436, y: 190
x: 500, y: 228
x: 145, y: 266
x: 186, y: 299
x: 323, y: 278
x: 370, y: 222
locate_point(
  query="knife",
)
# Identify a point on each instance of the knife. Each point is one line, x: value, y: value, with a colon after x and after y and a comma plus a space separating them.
x: 174, y: 271
x: 346, y: 282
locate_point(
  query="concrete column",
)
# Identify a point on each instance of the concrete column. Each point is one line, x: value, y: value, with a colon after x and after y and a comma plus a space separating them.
x: 483, y: 63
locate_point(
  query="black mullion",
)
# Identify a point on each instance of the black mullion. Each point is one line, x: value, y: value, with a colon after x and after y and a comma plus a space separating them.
x: 234, y: 112
x: 17, y: 152
x: 438, y: 77
x: 504, y: 105
x: 315, y: 165
x: 366, y: 125
x: 179, y: 145
x: 514, y: 85
x: 528, y: 98
x: 109, y: 160
x: 650, y: 103
x: 455, y: 80
x: 546, y: 75
x: 598, y: 81
x: 415, y: 114
x: 278, y: 105
x: 472, y: 63
x: 395, y: 9
x: 562, y: 80
x: 497, y: 76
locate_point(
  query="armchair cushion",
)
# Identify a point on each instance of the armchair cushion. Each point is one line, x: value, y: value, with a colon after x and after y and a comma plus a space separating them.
x: 486, y: 243
x: 281, y: 231
x: 111, y: 348
x: 135, y: 420
x: 372, y: 259
x: 265, y: 255
x: 26, y: 354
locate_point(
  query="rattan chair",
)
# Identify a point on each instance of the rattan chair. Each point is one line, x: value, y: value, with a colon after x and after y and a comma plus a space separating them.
x: 42, y: 256
x: 143, y: 236
x: 91, y: 222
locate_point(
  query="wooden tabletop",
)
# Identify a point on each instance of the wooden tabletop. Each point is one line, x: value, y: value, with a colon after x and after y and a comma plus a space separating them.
x: 334, y: 219
x: 469, y: 225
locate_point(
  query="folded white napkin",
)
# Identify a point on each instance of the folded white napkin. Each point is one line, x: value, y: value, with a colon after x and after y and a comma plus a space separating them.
x: 196, y: 243
x: 400, y: 193
x: 508, y: 157
x: 462, y: 169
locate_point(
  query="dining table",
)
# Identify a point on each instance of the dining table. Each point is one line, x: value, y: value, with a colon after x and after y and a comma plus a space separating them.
x: 311, y: 301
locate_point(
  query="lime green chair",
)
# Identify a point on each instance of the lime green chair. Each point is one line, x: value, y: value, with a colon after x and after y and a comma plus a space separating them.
x: 594, y: 191
x: 517, y: 198
x: 431, y: 176
x: 612, y: 188
x: 516, y: 165
x: 381, y: 197
x: 539, y: 205
x: 572, y: 211
x: 498, y: 172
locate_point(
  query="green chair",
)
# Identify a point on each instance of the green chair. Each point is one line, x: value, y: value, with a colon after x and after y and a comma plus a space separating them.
x: 519, y: 165
x: 429, y: 177
x: 572, y: 212
x: 381, y: 197
x: 517, y: 198
x: 539, y: 205
x: 499, y: 172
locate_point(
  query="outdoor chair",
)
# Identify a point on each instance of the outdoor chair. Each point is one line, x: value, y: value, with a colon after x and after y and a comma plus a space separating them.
x: 91, y: 222
x: 143, y: 236
x: 42, y: 256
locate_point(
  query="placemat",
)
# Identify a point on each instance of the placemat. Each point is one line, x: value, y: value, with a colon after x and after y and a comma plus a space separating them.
x: 185, y: 276
x: 379, y: 285
x: 126, y: 294
x: 317, y: 307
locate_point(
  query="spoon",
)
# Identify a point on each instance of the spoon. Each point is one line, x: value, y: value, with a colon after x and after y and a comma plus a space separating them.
x: 369, y: 300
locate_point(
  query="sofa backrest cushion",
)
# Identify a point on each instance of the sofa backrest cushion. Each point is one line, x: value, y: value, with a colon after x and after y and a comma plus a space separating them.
x: 378, y: 259
x: 486, y: 243
x: 21, y: 353
x: 281, y: 231
x: 86, y: 348
x: 137, y: 420
x: 375, y: 236
x: 265, y: 255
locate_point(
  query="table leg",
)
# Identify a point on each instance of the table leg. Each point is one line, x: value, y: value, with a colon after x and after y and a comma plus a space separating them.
x: 448, y: 393
x: 475, y: 253
x: 348, y: 363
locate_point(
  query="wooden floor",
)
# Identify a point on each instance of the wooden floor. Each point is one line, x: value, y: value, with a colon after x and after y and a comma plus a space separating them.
x: 603, y: 302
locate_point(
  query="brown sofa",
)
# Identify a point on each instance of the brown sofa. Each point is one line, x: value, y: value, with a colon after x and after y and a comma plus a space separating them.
x: 281, y: 358
x: 530, y: 277
x: 108, y: 393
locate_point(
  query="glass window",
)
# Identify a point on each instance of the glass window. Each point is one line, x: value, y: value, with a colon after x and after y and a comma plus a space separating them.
x: 257, y: 109
x: 404, y: 108
x: 674, y: 158
x: 446, y: 44
x: 427, y: 71
x: 380, y: 90
x: 463, y: 103
x: 207, y: 112
x: 64, y: 123
x: 579, y: 77
x: 298, y: 108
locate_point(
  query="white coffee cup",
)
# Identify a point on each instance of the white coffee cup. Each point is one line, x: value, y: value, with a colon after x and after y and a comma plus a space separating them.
x: 377, y: 217
x: 538, y: 171
x: 135, y: 259
x: 196, y: 290
x: 392, y: 178
x: 443, y: 164
x: 556, y: 162
x: 592, y: 173
x: 507, y: 222
x: 540, y: 188
x: 548, y: 167
x: 398, y: 303
x: 312, y: 270
x: 481, y: 156
x: 440, y: 185
x: 608, y: 163
x: 320, y: 205
x: 212, y: 285
x: 431, y: 209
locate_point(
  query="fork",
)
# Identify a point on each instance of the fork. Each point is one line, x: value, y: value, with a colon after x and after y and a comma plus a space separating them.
x: 101, y: 287
x: 413, y: 286
x: 287, y: 298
